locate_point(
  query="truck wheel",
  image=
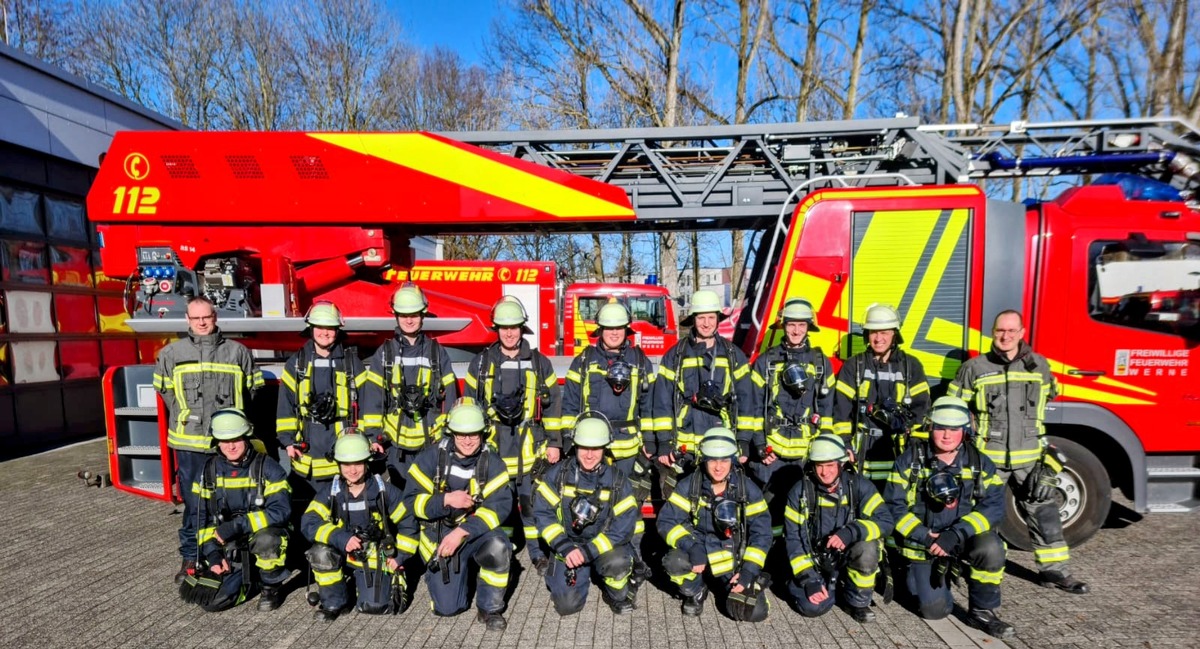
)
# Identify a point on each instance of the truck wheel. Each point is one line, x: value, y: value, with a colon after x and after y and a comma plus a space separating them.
x: 1084, y: 496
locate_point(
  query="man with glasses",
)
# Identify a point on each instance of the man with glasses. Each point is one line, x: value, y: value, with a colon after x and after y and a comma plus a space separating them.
x: 198, y: 375
x: 1007, y: 389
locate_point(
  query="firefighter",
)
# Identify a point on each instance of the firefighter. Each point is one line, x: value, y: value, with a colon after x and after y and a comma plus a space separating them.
x: 797, y: 403
x: 318, y: 398
x: 1008, y: 389
x: 519, y: 388
x: 410, y: 384
x: 585, y: 511
x: 361, y: 522
x: 836, y: 521
x: 196, y: 376
x: 242, y: 509
x: 716, y: 523
x: 948, y: 500
x: 703, y: 382
x: 880, y: 394
x: 614, y: 378
x: 460, y: 493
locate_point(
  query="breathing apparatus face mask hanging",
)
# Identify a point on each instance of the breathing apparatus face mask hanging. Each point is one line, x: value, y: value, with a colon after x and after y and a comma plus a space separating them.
x: 725, y: 516
x: 510, y: 408
x: 792, y: 378
x: 323, y: 408
x: 583, y: 513
x: 619, y: 375
x: 412, y: 398
x: 711, y: 396
x: 943, y: 488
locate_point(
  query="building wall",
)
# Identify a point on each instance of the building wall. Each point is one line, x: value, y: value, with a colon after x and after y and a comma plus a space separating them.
x: 61, y: 319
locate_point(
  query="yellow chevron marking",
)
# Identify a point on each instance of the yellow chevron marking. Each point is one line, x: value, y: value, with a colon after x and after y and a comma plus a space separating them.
x: 427, y: 155
x: 813, y: 289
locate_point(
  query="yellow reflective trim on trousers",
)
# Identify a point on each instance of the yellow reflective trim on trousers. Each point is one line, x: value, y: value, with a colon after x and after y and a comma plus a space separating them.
x: 497, y: 579
x: 1051, y: 555
x: 328, y: 578
x: 680, y: 579
x: 676, y: 533
x: 986, y: 577
x: 861, y: 580
x: 755, y: 556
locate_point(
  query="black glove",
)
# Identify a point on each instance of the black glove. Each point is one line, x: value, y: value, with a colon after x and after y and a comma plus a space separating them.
x: 812, y: 586
x: 228, y: 531
x: 214, y: 558
x: 697, y: 555
x: 848, y: 534
x: 745, y: 579
x: 1041, y: 484
x: 950, y: 541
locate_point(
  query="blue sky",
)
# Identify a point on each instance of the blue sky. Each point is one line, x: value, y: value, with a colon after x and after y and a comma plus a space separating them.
x: 459, y: 25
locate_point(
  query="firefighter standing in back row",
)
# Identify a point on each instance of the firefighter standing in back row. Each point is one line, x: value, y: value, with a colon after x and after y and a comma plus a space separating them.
x: 518, y: 387
x: 880, y: 394
x: 460, y: 493
x: 614, y: 378
x: 410, y: 384
x: 360, y: 523
x: 1008, y: 388
x: 703, y: 382
x: 242, y: 509
x: 947, y: 501
x: 797, y: 403
x: 196, y: 376
x: 586, y: 511
x: 318, y: 398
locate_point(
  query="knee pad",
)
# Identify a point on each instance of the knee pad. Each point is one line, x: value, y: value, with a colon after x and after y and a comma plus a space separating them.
x: 987, y: 551
x: 269, y: 543
x: 864, y: 556
x: 494, y: 554
x: 676, y: 563
x: 323, y: 558
x: 616, y: 563
x: 569, y: 603
x: 935, y: 610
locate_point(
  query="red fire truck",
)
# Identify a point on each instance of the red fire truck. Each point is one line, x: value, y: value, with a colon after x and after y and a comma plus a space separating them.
x: 844, y: 213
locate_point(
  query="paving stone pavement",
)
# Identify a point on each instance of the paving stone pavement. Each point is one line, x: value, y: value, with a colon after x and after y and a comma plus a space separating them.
x: 88, y: 567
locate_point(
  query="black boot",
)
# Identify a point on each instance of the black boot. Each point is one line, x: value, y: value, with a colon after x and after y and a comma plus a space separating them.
x: 989, y: 623
x: 188, y: 567
x: 620, y: 606
x: 270, y: 599
x: 641, y: 572
x: 495, y: 620
x: 693, y: 606
x: 1055, y: 579
x: 861, y: 614
x: 324, y: 614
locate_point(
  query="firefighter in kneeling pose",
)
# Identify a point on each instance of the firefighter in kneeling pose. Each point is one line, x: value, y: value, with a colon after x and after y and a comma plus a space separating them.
x: 716, y: 522
x: 460, y: 493
x: 586, y: 512
x: 243, y: 505
x: 835, y: 520
x: 613, y: 377
x: 948, y: 501
x: 518, y: 387
x: 361, y: 522
x: 318, y: 398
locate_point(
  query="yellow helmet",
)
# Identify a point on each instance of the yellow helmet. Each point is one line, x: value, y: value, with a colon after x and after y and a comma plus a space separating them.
x: 324, y: 314
x: 409, y: 300
x: 350, y: 448
x: 950, y: 411
x: 229, y: 424
x: 798, y: 308
x: 592, y: 432
x: 613, y: 315
x: 466, y: 418
x: 508, y: 312
x: 828, y: 447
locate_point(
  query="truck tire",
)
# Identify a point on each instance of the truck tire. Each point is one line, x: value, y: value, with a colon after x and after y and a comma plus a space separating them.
x: 1085, y: 495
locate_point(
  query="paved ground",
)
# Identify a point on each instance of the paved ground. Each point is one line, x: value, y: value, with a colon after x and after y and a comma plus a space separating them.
x: 87, y: 567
